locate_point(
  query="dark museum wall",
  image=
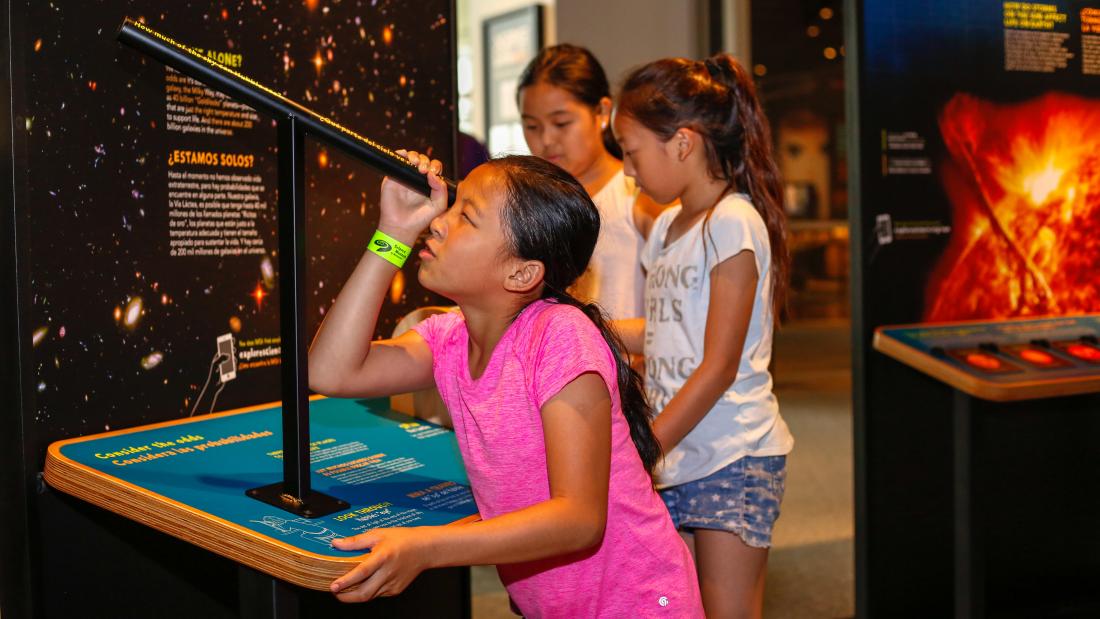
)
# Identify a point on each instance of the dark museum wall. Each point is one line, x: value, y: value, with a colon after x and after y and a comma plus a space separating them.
x: 974, y: 150
x: 142, y: 213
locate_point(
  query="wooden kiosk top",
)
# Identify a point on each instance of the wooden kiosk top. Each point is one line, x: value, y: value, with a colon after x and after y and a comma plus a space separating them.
x: 188, y: 478
x: 1003, y: 360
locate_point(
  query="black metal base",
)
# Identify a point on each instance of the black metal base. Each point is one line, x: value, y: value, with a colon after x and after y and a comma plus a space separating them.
x: 314, y: 505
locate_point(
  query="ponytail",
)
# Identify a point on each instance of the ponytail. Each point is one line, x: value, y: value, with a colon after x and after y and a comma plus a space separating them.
x: 717, y: 99
x: 549, y: 217
x: 756, y: 172
x: 636, y: 408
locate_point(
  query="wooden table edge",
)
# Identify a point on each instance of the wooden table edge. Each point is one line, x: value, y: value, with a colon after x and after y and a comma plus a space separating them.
x: 165, y: 514
x: 972, y: 385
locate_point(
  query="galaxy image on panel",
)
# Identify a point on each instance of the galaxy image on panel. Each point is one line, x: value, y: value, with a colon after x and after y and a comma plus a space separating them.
x: 124, y: 329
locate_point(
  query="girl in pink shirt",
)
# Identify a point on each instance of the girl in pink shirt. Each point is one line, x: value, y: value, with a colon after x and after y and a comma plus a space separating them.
x: 552, y: 424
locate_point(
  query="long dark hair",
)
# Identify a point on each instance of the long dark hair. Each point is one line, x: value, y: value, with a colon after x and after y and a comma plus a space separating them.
x: 548, y: 216
x: 575, y: 70
x: 717, y: 99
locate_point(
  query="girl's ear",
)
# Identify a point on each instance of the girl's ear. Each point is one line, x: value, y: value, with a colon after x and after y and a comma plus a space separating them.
x: 685, y: 142
x: 682, y: 143
x: 524, y: 276
x: 603, y: 112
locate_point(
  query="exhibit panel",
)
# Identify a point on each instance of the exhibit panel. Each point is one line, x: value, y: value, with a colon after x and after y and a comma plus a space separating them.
x: 974, y: 200
x: 145, y: 232
x: 153, y: 229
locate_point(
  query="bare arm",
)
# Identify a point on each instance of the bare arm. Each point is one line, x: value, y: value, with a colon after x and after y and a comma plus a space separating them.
x: 732, y: 291
x: 343, y: 361
x: 577, y: 431
x: 632, y: 332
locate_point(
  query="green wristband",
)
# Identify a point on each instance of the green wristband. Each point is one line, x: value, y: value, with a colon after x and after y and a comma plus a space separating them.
x: 390, y: 249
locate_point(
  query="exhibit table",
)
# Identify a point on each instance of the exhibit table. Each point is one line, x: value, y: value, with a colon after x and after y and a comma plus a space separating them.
x: 190, y: 478
x: 1002, y: 360
x: 994, y: 367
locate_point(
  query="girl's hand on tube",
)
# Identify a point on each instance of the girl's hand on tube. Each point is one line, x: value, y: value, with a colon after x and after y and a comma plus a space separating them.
x: 405, y: 212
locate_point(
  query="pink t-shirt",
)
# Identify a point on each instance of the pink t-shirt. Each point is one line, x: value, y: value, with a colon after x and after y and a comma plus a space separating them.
x: 641, y: 568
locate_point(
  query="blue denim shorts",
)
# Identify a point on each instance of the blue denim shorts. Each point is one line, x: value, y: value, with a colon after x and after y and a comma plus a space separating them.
x: 742, y: 498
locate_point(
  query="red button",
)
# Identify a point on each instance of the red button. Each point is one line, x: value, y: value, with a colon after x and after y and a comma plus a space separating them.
x: 984, y: 362
x: 1081, y: 351
x: 1036, y: 357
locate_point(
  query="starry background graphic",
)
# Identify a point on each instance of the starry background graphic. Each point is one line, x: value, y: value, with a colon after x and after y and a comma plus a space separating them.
x: 123, y: 333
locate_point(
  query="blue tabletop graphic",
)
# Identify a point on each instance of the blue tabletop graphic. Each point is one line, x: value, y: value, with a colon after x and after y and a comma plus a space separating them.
x: 394, y: 470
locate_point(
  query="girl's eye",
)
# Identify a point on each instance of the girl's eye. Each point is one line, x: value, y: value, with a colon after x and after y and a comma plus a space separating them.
x: 467, y: 218
x: 563, y: 125
x: 530, y: 128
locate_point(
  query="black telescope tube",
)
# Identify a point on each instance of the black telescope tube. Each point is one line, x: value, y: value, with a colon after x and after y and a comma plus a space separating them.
x: 247, y: 90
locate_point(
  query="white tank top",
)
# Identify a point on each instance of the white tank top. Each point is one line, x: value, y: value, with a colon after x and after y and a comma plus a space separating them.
x: 614, y: 278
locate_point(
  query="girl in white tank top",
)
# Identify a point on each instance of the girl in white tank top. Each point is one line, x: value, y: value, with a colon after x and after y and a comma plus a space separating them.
x: 565, y: 104
x: 614, y: 277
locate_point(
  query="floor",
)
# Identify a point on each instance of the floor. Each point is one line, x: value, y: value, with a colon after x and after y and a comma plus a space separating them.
x: 810, y: 569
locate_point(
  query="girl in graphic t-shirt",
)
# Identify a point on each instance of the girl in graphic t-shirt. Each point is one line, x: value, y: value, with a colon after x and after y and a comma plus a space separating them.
x: 565, y: 104
x: 552, y: 424
x: 716, y: 269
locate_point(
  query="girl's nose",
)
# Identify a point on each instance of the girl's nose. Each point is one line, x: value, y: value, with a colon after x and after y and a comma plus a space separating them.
x: 438, y: 226
x: 545, y: 138
x: 628, y: 167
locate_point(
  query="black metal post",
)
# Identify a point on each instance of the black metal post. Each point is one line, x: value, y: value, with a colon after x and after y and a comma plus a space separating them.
x: 969, y: 550
x: 260, y: 596
x: 292, y: 297
x: 294, y: 493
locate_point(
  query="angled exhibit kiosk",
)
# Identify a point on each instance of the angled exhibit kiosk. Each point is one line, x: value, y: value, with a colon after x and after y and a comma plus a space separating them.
x: 973, y: 219
x: 160, y: 215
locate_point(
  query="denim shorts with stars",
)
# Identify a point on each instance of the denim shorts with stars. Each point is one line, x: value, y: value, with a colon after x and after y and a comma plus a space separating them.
x: 742, y: 498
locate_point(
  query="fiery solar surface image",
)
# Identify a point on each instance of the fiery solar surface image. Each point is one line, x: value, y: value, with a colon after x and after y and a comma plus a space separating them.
x: 1024, y: 184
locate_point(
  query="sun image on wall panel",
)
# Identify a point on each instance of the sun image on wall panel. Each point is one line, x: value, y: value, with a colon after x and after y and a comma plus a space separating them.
x: 1024, y: 182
